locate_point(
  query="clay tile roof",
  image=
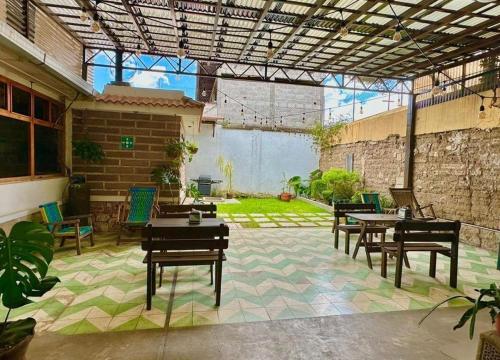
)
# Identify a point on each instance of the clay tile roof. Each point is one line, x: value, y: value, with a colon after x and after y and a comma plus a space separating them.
x: 183, y: 102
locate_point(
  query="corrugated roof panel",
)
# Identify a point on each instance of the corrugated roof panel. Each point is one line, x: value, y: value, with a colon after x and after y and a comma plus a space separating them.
x: 473, y: 21
x: 378, y: 20
x: 435, y: 16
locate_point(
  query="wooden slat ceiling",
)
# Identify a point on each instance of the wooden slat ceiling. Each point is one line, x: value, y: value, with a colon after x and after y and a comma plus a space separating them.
x: 304, y: 32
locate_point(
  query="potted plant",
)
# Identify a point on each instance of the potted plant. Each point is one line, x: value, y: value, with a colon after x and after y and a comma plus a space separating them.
x: 488, y: 299
x: 25, y: 256
x: 180, y: 150
x: 164, y: 175
x: 285, y: 189
x: 192, y: 192
x: 227, y: 169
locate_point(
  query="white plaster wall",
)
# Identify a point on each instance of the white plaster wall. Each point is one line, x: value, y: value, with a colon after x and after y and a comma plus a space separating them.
x: 21, y: 199
x: 259, y: 157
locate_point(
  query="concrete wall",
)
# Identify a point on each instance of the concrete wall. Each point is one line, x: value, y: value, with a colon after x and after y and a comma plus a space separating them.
x: 456, y: 162
x: 259, y: 157
x: 269, y: 100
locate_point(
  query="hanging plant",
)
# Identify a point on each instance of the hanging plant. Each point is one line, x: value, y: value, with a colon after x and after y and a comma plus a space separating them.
x: 180, y: 150
x: 88, y: 150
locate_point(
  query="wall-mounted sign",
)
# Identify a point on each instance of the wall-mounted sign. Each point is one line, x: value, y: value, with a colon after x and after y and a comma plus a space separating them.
x: 127, y: 142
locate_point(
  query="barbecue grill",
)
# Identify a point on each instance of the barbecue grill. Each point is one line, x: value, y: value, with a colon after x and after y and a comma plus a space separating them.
x: 205, y: 184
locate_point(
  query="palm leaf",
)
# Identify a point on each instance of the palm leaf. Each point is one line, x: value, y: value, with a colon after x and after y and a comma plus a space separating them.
x: 24, y: 261
x: 441, y: 303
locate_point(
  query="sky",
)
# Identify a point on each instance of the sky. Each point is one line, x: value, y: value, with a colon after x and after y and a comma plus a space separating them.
x: 338, y: 102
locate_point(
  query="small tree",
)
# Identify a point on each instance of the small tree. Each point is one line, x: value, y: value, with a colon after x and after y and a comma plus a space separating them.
x: 327, y: 135
x: 226, y: 168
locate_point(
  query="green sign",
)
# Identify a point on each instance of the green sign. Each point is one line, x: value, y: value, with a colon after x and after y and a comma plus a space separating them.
x: 127, y: 142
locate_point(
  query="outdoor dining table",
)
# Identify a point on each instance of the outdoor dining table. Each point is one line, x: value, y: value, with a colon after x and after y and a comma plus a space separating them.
x: 366, y: 220
x: 170, y: 234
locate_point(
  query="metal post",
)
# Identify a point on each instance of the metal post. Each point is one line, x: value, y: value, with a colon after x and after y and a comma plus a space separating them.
x: 85, y: 67
x: 119, y: 67
x: 410, y: 140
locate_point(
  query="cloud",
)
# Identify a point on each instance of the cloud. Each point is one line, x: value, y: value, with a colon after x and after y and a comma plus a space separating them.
x: 150, y: 79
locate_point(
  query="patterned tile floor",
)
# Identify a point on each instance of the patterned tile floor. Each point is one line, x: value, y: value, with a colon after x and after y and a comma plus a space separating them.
x: 276, y: 220
x: 270, y: 274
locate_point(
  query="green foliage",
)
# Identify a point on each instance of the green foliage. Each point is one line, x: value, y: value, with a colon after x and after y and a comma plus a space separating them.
x: 317, y: 188
x: 180, y: 150
x: 492, y: 302
x: 341, y: 182
x: 315, y: 175
x: 387, y: 202
x: 326, y: 135
x: 226, y: 168
x: 25, y: 256
x: 295, y: 182
x: 357, y: 198
x: 327, y: 195
x: 164, y: 175
x: 193, y: 192
x: 88, y: 150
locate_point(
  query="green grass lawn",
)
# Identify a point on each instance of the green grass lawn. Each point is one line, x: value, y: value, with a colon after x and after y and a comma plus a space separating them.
x: 269, y: 205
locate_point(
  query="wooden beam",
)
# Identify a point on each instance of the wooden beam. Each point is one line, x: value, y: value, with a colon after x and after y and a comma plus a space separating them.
x: 214, y: 30
x: 132, y: 13
x: 411, y: 116
x: 171, y: 5
x: 256, y: 26
x: 309, y: 14
x: 109, y: 34
x: 428, y: 30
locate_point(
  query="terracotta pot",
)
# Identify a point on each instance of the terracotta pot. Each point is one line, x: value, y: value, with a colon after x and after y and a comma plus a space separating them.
x: 229, y: 195
x: 497, y: 323
x: 285, y: 196
x: 17, y: 352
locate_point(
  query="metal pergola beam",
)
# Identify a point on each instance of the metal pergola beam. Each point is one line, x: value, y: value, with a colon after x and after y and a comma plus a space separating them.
x: 137, y: 24
x: 104, y: 27
x: 256, y: 27
x: 216, y: 23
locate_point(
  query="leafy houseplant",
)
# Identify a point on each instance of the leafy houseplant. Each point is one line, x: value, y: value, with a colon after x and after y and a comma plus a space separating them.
x: 180, y: 150
x: 227, y: 169
x: 492, y: 302
x: 88, y: 150
x: 193, y: 192
x: 295, y: 182
x: 163, y: 175
x: 25, y: 256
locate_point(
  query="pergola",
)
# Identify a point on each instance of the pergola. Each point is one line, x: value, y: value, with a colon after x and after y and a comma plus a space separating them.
x: 297, y: 42
x: 365, y: 45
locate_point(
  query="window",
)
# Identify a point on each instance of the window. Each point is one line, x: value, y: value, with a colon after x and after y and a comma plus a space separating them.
x: 31, y: 141
x: 3, y: 95
x: 47, y: 154
x: 14, y: 147
x: 21, y: 101
x: 41, y: 108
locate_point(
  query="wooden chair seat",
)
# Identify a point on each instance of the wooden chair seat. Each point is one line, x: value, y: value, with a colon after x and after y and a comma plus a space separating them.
x: 356, y: 229
x: 184, y: 258
x: 392, y: 248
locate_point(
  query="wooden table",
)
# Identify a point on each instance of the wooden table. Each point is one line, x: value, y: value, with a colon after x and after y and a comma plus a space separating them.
x: 371, y: 219
x: 164, y: 234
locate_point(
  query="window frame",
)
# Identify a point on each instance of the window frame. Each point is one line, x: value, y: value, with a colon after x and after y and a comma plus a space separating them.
x: 9, y: 113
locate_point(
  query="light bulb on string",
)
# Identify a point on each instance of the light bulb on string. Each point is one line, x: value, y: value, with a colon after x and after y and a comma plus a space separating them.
x: 482, y: 113
x: 361, y: 109
x: 436, y: 90
x: 138, y: 50
x: 84, y: 15
x: 95, y: 27
x: 281, y: 120
x: 343, y: 30
x: 181, y: 51
x: 303, y: 117
x: 255, y: 117
x: 397, y: 34
x: 204, y: 93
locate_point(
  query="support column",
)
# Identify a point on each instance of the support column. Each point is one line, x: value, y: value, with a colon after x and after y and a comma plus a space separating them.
x: 410, y: 140
x: 85, y: 67
x: 119, y: 67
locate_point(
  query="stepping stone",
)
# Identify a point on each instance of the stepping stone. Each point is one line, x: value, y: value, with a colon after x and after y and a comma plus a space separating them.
x: 239, y: 215
x: 323, y: 214
x: 307, y: 224
x: 296, y: 219
x: 314, y: 218
x: 235, y: 226
x: 268, y: 225
x: 274, y: 214
x: 222, y: 215
x: 308, y: 214
x: 261, y: 220
x: 241, y: 219
x: 257, y: 215
x: 324, y: 223
x: 290, y: 214
x: 287, y: 224
x: 280, y: 219
x: 228, y: 220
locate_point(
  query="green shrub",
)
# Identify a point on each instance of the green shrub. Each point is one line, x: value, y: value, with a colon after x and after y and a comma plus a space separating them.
x: 356, y: 198
x: 342, y: 183
x: 315, y: 175
x: 327, y: 195
x: 317, y: 187
x: 387, y: 202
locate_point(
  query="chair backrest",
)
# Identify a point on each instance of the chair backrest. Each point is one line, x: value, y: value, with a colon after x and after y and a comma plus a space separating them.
x: 340, y: 210
x: 182, y: 211
x: 163, y: 238
x: 372, y: 198
x: 51, y: 213
x: 142, y: 201
x: 427, y: 231
x: 405, y: 197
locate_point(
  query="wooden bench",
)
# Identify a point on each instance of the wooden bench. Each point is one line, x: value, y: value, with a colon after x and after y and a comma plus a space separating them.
x: 340, y: 211
x: 423, y: 236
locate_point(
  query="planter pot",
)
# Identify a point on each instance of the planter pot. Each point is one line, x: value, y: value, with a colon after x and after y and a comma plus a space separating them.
x: 285, y: 197
x: 17, y: 352
x: 497, y: 324
x: 229, y: 195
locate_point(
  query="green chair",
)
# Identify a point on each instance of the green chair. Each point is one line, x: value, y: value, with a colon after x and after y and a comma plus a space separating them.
x: 374, y: 198
x: 68, y: 227
x: 137, y: 209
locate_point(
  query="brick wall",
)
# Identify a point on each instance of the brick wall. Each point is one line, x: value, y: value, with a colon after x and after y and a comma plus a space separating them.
x: 122, y: 168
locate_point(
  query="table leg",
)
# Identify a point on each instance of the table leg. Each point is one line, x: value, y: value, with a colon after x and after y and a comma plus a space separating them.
x: 399, y: 264
x: 360, y: 239
x: 367, y: 247
x: 148, y: 283
x: 454, y: 264
x: 153, y: 280
x: 218, y: 278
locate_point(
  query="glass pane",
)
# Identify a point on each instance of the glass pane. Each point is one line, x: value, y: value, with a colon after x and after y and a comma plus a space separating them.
x: 57, y: 114
x: 21, y: 101
x: 14, y: 148
x: 41, y: 109
x: 47, y: 150
x: 3, y: 95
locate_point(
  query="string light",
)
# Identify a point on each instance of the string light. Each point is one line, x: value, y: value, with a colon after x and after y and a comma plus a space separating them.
x: 204, y: 93
x: 84, y: 16
x: 270, y: 49
x: 343, y: 31
x: 436, y: 90
x: 361, y: 109
x: 397, y: 34
x: 482, y: 113
x: 181, y: 51
x: 225, y: 99
x: 303, y: 117
x: 138, y: 50
x: 95, y: 27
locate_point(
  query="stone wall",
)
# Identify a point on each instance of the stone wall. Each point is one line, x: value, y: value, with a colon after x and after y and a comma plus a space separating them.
x: 111, y: 179
x: 269, y: 100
